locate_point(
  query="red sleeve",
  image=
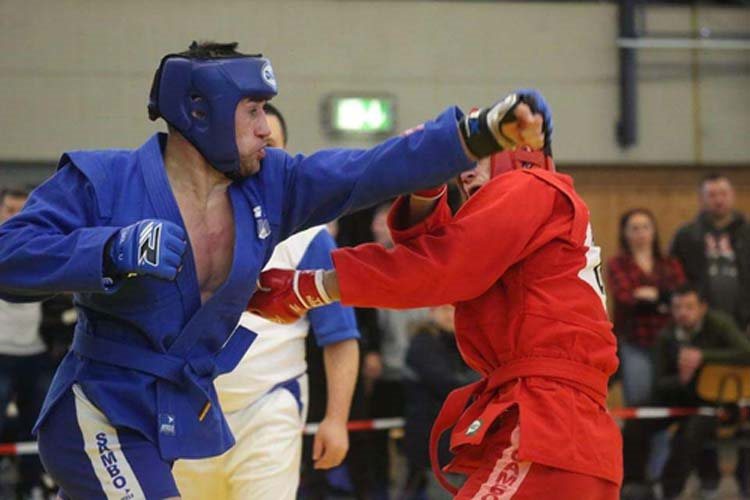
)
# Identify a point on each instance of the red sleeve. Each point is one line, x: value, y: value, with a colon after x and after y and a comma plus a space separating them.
x: 497, y: 227
x: 620, y: 283
x: 440, y: 216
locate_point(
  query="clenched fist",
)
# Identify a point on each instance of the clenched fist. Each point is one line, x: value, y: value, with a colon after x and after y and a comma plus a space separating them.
x: 285, y: 295
x: 523, y: 118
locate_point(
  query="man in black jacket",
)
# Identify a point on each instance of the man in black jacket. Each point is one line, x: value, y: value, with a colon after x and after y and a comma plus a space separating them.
x: 714, y: 250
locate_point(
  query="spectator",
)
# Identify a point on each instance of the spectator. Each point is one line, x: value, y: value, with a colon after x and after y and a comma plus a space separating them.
x: 641, y: 280
x: 25, y: 367
x: 383, y: 369
x: 714, y: 250
x: 698, y: 336
x: 433, y: 369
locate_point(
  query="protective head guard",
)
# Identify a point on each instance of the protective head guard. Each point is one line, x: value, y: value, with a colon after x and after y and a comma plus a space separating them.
x: 505, y: 161
x: 508, y: 160
x: 199, y: 96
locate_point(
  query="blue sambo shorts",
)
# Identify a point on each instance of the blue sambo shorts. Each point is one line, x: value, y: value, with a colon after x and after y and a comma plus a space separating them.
x: 89, y: 459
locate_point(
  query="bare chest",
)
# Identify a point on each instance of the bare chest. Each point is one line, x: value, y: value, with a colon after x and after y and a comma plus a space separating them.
x: 211, y: 231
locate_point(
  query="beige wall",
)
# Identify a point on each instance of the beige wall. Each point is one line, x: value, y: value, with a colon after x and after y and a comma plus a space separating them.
x: 75, y: 73
x: 670, y: 194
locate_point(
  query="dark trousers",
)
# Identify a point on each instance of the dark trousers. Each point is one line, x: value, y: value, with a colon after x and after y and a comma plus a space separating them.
x: 692, y: 449
x: 25, y: 380
x: 687, y: 454
x: 386, y: 401
x: 314, y: 483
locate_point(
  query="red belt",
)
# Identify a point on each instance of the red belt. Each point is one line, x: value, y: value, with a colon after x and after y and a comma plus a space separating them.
x: 586, y: 378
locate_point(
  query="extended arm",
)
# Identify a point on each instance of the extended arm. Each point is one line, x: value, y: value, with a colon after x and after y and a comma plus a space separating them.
x: 456, y: 262
x: 330, y: 183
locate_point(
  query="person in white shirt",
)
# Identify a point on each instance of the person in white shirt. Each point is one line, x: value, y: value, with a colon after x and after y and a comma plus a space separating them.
x: 25, y: 367
x: 265, y: 397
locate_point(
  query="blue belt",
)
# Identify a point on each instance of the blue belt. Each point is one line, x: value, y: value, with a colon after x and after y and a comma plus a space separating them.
x: 162, y: 365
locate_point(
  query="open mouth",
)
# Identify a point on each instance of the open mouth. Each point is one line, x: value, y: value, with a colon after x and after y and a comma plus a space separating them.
x: 473, y: 189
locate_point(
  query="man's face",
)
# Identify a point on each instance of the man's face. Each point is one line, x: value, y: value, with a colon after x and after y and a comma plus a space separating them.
x: 688, y: 310
x: 10, y: 206
x: 252, y: 131
x: 472, y: 180
x: 276, y: 139
x: 717, y: 197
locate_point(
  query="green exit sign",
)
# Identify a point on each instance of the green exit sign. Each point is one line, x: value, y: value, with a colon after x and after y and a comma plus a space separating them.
x: 359, y: 115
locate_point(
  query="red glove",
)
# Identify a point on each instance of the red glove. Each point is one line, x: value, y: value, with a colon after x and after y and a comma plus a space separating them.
x: 285, y: 295
x: 430, y: 194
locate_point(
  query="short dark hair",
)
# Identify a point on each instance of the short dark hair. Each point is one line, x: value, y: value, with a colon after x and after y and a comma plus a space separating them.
x: 713, y: 177
x: 211, y: 50
x: 272, y: 110
x: 15, y: 192
x: 689, y: 288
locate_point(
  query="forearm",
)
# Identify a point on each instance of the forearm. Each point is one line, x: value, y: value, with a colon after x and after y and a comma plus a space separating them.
x: 341, y: 361
x: 35, y: 264
x: 331, y: 284
x: 334, y: 182
x: 737, y: 350
x: 57, y: 242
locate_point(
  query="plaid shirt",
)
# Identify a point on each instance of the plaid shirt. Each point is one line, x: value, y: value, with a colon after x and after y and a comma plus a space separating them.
x: 637, y: 321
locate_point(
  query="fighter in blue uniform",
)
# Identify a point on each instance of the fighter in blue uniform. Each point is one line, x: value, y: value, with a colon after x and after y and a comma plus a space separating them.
x: 162, y: 246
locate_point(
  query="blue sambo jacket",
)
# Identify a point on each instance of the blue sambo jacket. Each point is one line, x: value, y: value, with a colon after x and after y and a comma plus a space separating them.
x: 146, y: 350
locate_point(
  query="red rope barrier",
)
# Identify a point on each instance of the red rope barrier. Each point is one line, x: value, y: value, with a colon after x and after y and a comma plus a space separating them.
x: 646, y: 412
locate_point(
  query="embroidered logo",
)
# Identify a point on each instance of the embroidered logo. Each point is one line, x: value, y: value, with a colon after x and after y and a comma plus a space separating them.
x: 109, y: 461
x: 166, y: 424
x: 474, y: 427
x: 507, y: 478
x: 148, y: 244
x: 268, y: 76
x: 262, y: 226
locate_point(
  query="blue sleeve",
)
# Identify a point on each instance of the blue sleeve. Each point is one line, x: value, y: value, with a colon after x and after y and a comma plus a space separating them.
x: 53, y: 244
x: 330, y: 183
x: 334, y: 322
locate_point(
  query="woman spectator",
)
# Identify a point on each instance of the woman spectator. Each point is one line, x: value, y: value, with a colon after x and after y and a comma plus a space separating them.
x: 641, y: 280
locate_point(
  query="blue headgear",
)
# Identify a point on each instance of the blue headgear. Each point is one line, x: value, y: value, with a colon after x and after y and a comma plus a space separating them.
x: 199, y: 97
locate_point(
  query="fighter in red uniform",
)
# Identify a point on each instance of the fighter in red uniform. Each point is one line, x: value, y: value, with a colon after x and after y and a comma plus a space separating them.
x: 520, y: 266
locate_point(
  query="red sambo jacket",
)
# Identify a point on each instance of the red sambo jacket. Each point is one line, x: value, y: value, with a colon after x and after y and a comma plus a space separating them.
x: 519, y: 264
